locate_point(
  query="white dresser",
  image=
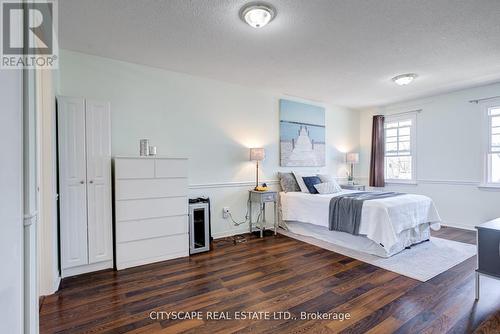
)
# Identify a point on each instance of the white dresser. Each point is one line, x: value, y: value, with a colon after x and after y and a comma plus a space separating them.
x: 151, y: 210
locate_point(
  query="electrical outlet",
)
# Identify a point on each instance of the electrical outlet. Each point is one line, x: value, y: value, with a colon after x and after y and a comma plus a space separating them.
x: 225, y: 212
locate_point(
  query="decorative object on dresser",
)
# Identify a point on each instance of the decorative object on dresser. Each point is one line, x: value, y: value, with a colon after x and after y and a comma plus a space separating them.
x: 488, y: 251
x: 199, y: 225
x: 144, y: 147
x: 84, y: 147
x: 353, y: 187
x: 257, y: 154
x: 262, y: 197
x: 152, y: 150
x: 151, y: 210
x: 352, y: 159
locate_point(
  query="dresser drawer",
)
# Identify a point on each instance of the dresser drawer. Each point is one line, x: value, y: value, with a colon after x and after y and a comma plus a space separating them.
x: 171, y: 168
x: 134, y: 168
x: 135, y: 253
x: 150, y: 188
x: 489, y: 251
x: 131, y: 230
x: 151, y: 208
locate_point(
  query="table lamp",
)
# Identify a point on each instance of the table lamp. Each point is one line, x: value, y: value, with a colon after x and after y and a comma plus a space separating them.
x: 352, y: 158
x: 257, y: 154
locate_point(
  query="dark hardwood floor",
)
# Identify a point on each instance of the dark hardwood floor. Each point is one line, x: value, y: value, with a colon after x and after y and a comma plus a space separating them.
x: 272, y: 274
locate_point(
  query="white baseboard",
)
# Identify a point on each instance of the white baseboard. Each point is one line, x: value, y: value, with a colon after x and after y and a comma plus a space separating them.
x: 230, y: 233
x: 56, y: 284
x: 86, y: 268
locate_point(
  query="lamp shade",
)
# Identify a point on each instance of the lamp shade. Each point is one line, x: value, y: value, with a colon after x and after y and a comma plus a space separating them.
x: 352, y: 158
x: 257, y: 153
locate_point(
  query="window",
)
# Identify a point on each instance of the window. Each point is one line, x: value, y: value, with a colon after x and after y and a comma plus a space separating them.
x: 492, y: 157
x: 400, y: 136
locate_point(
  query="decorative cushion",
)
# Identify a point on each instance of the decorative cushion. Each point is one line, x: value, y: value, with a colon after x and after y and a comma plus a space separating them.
x: 310, y: 181
x: 330, y: 179
x: 300, y: 182
x: 328, y: 188
x: 288, y: 182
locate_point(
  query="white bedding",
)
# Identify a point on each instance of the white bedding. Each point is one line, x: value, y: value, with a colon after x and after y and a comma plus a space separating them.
x: 382, y: 220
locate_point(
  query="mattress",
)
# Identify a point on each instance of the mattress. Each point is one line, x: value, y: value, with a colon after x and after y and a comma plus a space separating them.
x: 382, y: 220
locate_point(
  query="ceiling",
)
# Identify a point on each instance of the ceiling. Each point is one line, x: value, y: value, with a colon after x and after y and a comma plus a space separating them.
x: 333, y: 51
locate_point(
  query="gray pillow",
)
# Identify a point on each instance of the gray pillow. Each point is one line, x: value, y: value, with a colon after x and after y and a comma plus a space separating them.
x: 288, y: 182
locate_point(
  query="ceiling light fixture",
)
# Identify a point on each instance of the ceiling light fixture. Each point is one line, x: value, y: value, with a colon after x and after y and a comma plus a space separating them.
x: 404, y: 79
x: 257, y: 15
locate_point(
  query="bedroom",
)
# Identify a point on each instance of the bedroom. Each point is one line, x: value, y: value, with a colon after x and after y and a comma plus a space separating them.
x: 304, y: 91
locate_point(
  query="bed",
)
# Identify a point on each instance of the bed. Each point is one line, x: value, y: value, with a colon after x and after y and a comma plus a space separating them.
x: 387, y: 226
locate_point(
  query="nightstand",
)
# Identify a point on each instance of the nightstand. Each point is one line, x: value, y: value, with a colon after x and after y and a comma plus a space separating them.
x: 359, y: 187
x: 488, y: 251
x: 261, y: 198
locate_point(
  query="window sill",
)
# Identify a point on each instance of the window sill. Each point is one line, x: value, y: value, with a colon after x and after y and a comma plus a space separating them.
x: 489, y: 186
x: 401, y: 182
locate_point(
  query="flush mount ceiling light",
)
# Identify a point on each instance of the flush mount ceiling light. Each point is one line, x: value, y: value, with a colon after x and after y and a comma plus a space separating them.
x: 257, y: 15
x: 404, y: 79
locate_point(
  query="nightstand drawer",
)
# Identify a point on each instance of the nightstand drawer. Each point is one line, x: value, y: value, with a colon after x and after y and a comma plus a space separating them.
x: 269, y: 197
x: 489, y: 251
x: 353, y: 187
x: 263, y: 197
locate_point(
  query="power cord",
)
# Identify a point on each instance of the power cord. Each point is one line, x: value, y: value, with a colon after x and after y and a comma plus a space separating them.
x: 240, y: 223
x: 247, y: 216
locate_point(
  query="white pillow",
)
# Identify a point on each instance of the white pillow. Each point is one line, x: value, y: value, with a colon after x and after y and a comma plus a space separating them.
x: 328, y: 188
x: 325, y: 178
x: 301, y: 183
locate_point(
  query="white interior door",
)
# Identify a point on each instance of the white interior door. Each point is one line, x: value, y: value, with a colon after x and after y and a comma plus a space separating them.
x: 72, y: 181
x: 98, y: 136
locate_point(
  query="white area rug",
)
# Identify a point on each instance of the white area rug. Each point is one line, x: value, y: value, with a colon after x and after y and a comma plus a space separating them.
x: 421, y: 262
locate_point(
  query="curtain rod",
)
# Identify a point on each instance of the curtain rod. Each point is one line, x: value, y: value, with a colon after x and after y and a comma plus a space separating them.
x: 405, y: 112
x: 483, y: 99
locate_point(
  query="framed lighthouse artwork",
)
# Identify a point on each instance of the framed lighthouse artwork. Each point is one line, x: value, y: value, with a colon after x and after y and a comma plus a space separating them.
x: 302, y: 134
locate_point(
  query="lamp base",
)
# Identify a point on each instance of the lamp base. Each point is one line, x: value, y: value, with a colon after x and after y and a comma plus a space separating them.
x: 263, y: 187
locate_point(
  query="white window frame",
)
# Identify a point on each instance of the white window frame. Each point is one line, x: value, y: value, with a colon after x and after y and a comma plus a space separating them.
x: 413, y: 145
x: 486, y: 143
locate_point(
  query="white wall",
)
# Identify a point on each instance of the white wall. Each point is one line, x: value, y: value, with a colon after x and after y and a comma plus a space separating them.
x: 11, y: 204
x: 449, y: 162
x: 211, y: 122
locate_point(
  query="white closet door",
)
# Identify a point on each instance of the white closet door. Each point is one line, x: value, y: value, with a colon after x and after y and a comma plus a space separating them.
x: 98, y: 133
x: 72, y: 181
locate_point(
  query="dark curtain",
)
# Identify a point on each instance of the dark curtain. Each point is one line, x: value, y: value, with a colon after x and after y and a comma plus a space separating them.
x: 378, y: 152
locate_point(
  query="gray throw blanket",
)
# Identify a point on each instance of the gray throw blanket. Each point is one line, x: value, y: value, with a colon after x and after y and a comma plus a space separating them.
x: 345, y: 210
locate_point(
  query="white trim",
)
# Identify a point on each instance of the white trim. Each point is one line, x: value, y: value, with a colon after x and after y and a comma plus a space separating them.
x: 229, y: 233
x: 57, y: 283
x: 436, y: 181
x: 486, y: 141
x: 489, y: 186
x: 87, y: 268
x: 230, y: 184
x: 450, y: 182
x: 404, y: 182
x: 148, y: 157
